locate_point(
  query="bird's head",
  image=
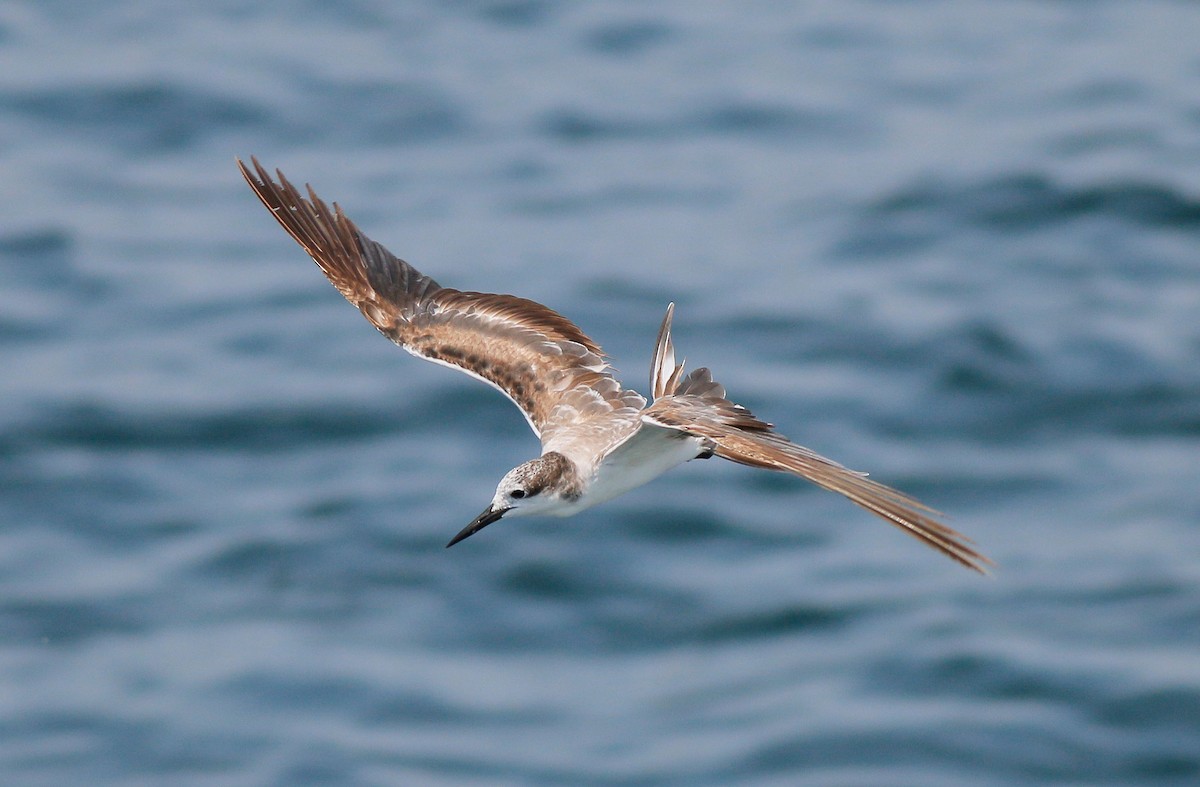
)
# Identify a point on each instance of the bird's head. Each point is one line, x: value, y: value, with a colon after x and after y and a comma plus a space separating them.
x: 547, y: 485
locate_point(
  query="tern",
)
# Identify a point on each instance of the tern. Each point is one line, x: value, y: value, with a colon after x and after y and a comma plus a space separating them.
x: 599, y: 439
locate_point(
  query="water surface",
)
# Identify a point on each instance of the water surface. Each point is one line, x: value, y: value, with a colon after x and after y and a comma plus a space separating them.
x: 954, y: 245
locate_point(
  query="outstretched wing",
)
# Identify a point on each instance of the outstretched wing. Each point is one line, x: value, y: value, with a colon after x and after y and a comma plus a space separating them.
x: 539, y: 359
x: 696, y: 404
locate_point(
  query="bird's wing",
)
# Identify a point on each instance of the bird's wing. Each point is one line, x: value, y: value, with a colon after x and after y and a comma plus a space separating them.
x: 539, y: 359
x: 696, y: 404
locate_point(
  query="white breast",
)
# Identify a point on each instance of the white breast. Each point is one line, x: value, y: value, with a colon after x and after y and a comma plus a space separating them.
x: 649, y: 453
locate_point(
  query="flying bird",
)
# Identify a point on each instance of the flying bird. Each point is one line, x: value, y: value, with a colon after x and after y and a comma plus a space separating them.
x: 599, y: 439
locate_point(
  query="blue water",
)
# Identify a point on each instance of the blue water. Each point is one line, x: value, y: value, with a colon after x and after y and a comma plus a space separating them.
x: 954, y: 244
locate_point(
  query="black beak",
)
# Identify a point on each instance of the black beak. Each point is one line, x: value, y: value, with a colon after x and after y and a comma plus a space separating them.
x: 489, y: 515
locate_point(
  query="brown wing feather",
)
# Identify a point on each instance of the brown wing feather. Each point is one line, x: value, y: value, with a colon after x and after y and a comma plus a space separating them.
x: 697, y: 405
x: 530, y: 352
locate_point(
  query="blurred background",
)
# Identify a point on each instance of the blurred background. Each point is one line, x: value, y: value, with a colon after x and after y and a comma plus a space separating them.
x: 954, y: 244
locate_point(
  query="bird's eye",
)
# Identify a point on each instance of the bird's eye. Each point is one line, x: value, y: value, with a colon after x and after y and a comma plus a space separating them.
x: 517, y: 494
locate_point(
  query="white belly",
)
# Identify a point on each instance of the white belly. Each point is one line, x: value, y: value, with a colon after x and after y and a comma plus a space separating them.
x: 651, y: 452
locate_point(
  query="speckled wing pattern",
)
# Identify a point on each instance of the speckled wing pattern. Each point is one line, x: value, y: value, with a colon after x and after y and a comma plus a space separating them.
x: 696, y: 404
x: 539, y: 359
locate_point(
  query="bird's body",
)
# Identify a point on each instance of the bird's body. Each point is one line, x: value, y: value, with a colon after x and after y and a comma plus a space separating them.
x: 599, y: 439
